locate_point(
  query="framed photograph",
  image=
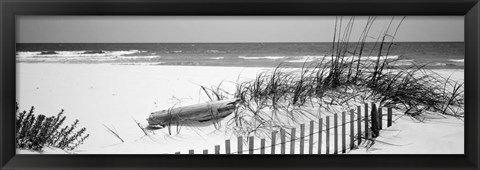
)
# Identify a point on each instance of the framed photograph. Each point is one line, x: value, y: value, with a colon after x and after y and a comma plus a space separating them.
x: 254, y: 84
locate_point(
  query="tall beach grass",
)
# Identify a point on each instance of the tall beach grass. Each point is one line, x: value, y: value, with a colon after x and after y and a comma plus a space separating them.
x: 283, y: 96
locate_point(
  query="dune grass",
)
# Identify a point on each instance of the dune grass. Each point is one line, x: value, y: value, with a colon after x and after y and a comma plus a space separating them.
x: 114, y: 132
x: 281, y: 97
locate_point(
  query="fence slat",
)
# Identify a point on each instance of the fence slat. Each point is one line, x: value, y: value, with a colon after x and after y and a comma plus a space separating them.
x: 292, y: 141
x: 250, y: 145
x: 302, y: 138
x: 177, y: 153
x: 191, y: 151
x: 367, y: 132
x: 227, y: 146
x: 352, y: 127
x: 359, y: 125
x: 389, y: 117
x: 282, y: 140
x: 310, y: 137
x: 344, y: 133
x: 327, y: 135
x: 320, y: 129
x: 262, y: 146
x: 239, y: 145
x: 335, y: 134
x: 272, y: 151
x: 217, y: 149
x: 380, y: 118
x: 374, y: 115
x: 205, y: 151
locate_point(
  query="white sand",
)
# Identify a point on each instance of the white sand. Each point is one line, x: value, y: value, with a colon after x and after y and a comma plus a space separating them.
x: 114, y: 95
x: 435, y: 134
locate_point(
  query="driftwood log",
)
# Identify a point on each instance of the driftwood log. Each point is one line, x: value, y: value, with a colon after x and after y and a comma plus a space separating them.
x: 198, y: 112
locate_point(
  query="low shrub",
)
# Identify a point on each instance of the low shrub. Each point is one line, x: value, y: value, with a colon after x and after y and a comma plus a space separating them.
x: 37, y: 131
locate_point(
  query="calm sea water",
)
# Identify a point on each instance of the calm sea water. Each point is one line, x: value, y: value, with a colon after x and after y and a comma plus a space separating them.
x: 433, y: 54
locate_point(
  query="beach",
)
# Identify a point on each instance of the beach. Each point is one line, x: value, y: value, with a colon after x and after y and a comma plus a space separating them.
x: 116, y: 96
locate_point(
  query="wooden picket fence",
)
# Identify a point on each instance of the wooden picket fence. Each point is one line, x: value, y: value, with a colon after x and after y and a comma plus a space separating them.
x: 372, y: 123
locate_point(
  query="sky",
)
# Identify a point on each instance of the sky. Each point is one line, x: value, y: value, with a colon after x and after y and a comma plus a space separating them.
x: 164, y: 29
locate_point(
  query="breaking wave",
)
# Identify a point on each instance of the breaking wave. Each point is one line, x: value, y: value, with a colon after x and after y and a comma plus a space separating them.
x: 260, y: 58
x: 298, y: 59
x: 217, y: 58
x: 457, y: 60
x: 82, y: 55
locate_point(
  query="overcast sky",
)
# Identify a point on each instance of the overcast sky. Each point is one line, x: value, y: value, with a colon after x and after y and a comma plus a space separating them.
x: 152, y: 29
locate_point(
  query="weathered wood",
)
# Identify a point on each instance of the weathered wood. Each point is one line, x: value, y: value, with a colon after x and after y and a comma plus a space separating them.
x: 205, y: 151
x: 262, y: 146
x: 302, y: 138
x: 177, y: 153
x: 344, y: 133
x: 310, y: 138
x: 335, y: 134
x: 250, y: 145
x: 217, y: 149
x: 191, y: 151
x: 380, y: 118
x: 327, y: 135
x: 272, y: 151
x: 239, y: 145
x: 375, y: 129
x: 389, y: 117
x: 282, y: 141
x: 352, y: 127
x: 227, y: 146
x: 359, y: 125
x: 367, y: 131
x: 198, y: 112
x: 292, y: 141
x: 320, y: 129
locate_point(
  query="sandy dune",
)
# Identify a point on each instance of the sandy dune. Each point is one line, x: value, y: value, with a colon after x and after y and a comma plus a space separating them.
x: 115, y: 95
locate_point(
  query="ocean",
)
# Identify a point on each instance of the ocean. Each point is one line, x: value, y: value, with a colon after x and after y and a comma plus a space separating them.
x: 431, y: 54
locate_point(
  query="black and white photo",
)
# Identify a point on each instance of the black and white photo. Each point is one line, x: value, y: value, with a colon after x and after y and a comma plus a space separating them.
x: 240, y: 85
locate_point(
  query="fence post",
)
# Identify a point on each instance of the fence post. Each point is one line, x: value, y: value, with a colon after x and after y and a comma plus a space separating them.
x: 292, y: 141
x: 367, y: 132
x: 250, y: 145
x: 344, y: 132
x: 227, y: 146
x: 177, y: 153
x: 191, y: 151
x: 389, y: 117
x: 310, y: 141
x: 320, y: 127
x: 335, y: 134
x: 273, y: 142
x: 302, y: 138
x: 262, y: 146
x: 217, y: 149
x: 327, y: 135
x: 239, y: 145
x: 359, y: 125
x: 374, y: 114
x: 282, y: 141
x: 380, y: 117
x: 352, y: 121
x: 205, y: 151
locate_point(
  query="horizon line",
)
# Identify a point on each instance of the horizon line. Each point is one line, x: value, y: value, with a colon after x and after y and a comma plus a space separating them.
x: 272, y: 42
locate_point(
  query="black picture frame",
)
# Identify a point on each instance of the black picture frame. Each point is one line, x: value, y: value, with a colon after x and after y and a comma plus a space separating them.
x: 9, y: 9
